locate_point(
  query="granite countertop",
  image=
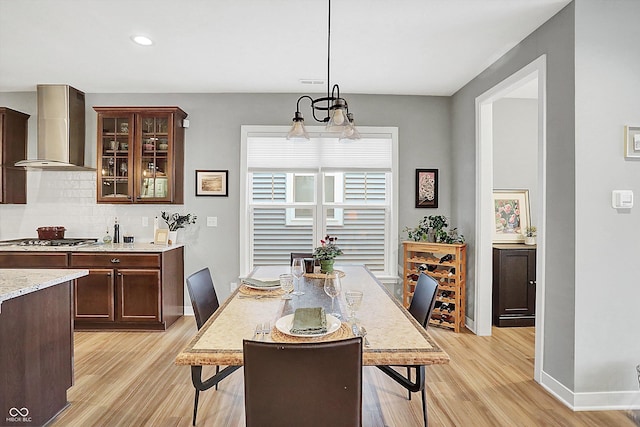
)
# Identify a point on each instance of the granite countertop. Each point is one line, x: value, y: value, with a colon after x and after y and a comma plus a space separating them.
x: 15, y: 282
x: 96, y: 247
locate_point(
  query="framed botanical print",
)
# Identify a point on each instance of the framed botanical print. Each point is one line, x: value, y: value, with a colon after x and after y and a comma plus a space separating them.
x: 512, y: 216
x: 426, y: 188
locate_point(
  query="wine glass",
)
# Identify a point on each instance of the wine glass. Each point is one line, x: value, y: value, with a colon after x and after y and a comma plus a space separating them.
x: 332, y: 287
x: 354, y: 299
x: 286, y: 283
x: 297, y: 269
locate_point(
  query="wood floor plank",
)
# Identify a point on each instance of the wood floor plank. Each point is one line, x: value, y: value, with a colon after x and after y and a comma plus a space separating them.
x: 129, y: 379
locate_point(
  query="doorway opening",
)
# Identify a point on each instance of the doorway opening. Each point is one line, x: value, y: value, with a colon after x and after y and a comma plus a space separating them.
x: 525, y: 78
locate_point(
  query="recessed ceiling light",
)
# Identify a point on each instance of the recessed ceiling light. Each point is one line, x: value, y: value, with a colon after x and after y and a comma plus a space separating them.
x: 142, y: 40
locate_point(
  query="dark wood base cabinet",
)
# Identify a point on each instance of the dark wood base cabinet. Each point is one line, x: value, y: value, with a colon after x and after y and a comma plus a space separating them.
x: 124, y: 290
x: 129, y: 290
x: 514, y: 285
x: 36, y: 356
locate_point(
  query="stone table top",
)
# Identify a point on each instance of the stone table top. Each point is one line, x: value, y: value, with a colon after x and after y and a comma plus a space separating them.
x: 395, y: 337
x: 15, y: 282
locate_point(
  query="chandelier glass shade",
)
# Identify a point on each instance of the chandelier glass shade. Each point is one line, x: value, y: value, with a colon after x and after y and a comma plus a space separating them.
x: 331, y: 109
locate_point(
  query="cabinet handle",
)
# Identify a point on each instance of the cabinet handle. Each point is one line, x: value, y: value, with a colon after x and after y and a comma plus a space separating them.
x: 532, y: 282
x: 119, y: 274
x: 115, y: 261
x: 108, y: 274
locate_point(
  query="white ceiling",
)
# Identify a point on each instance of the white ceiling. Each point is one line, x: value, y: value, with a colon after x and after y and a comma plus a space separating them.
x: 405, y: 47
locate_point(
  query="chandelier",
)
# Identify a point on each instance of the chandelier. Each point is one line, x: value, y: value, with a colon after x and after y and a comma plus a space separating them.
x: 333, y: 109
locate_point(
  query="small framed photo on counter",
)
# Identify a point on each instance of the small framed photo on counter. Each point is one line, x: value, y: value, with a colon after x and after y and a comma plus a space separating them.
x: 161, y: 237
x: 212, y: 183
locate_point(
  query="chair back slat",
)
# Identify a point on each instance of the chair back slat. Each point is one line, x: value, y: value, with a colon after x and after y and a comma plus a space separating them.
x: 310, y: 384
x: 424, y: 298
x: 202, y: 293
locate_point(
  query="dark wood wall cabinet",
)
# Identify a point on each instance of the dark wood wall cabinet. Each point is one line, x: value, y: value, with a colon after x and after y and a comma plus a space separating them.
x: 140, y: 155
x: 514, y: 285
x: 13, y: 148
x: 124, y: 290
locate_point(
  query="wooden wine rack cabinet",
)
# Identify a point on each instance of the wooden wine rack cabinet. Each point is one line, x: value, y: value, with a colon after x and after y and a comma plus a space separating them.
x: 451, y: 275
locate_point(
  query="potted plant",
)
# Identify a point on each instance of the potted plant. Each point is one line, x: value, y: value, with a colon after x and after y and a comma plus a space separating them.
x: 176, y: 221
x: 530, y: 235
x: 326, y: 253
x: 433, y: 228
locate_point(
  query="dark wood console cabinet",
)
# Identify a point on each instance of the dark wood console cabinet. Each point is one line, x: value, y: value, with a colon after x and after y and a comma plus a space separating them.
x: 514, y: 285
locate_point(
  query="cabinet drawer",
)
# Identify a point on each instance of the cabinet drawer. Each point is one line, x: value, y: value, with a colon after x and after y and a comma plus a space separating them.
x: 33, y: 260
x: 115, y: 260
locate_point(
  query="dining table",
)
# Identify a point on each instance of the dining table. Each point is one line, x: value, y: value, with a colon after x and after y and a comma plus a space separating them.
x: 393, y: 336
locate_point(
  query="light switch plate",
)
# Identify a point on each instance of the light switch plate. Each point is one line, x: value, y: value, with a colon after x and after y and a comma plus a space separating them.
x: 622, y: 199
x: 212, y: 221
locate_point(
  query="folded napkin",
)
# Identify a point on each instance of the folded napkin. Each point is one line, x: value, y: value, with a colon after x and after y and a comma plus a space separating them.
x: 261, y: 283
x: 309, y: 321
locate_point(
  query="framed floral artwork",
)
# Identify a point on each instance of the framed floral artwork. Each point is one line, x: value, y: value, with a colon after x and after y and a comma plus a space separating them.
x: 426, y: 188
x: 512, y: 215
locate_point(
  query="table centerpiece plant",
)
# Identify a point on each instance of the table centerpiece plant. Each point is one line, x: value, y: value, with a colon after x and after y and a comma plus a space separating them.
x: 326, y: 253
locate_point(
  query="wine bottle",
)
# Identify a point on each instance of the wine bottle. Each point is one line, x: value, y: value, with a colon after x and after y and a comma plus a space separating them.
x: 446, y: 258
x: 116, y: 231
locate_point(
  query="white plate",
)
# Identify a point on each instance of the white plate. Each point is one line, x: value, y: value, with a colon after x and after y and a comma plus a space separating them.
x: 265, y: 288
x: 262, y: 288
x: 284, y: 324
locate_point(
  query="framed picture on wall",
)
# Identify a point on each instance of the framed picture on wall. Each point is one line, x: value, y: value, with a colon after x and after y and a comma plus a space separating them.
x: 426, y: 188
x: 512, y: 215
x: 632, y: 142
x: 212, y: 183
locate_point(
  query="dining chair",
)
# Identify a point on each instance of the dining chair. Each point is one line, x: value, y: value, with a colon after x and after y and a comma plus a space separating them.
x: 204, y: 301
x: 421, y: 306
x: 303, y: 384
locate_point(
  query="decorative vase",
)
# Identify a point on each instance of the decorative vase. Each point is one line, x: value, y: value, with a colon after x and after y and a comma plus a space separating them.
x: 530, y: 240
x: 326, y: 265
x: 173, y: 237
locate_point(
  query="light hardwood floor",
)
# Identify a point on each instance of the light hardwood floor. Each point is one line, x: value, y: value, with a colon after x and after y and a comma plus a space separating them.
x: 129, y: 379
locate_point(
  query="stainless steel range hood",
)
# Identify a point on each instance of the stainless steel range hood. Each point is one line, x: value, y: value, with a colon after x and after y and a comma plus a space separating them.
x: 61, y: 129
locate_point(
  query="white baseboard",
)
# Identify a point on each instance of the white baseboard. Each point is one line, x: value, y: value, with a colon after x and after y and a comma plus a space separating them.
x: 591, y: 401
x: 188, y: 311
x: 470, y: 324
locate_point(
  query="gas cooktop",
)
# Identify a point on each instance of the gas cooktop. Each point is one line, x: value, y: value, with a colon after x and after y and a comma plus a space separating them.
x: 56, y: 242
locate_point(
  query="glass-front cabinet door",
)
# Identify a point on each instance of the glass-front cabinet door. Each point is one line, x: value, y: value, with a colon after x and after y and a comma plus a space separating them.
x: 115, y: 142
x: 141, y: 154
x: 154, y: 180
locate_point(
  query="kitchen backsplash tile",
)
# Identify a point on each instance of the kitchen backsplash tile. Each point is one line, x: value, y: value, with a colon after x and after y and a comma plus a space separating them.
x: 69, y: 199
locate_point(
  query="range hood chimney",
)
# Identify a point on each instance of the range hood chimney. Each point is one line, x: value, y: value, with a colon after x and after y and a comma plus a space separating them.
x: 61, y: 129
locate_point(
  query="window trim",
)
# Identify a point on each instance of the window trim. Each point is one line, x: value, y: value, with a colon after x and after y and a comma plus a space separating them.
x: 246, y: 244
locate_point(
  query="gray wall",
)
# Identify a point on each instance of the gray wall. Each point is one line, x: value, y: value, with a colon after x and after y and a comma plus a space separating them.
x: 555, y: 38
x: 607, y: 92
x: 515, y: 147
x: 213, y: 142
